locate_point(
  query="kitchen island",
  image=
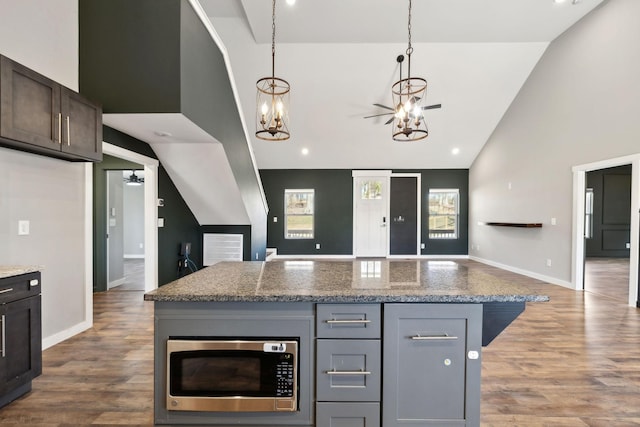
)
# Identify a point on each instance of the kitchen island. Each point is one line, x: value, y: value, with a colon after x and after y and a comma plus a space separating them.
x: 380, y: 342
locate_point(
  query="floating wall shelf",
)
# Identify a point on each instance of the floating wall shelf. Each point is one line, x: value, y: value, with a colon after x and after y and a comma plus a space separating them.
x: 516, y: 224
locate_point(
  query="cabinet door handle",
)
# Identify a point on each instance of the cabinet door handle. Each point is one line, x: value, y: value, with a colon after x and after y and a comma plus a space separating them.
x: 3, y: 352
x: 334, y: 372
x: 444, y: 337
x: 4, y: 291
x: 335, y: 321
x: 59, y: 128
x: 68, y: 132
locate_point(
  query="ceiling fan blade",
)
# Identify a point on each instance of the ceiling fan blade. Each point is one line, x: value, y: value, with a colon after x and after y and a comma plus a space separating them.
x: 389, y: 121
x: 377, y: 115
x: 430, y: 107
x: 384, y: 106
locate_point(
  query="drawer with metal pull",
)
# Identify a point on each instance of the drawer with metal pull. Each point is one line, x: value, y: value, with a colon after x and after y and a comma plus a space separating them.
x: 348, y: 321
x: 348, y: 370
x: 19, y: 287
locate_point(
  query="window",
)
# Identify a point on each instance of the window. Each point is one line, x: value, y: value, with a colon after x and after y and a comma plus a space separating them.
x: 371, y: 190
x: 298, y: 212
x: 443, y: 213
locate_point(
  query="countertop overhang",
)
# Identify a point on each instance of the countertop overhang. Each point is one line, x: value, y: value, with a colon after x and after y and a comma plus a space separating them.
x: 352, y: 281
x: 17, y: 270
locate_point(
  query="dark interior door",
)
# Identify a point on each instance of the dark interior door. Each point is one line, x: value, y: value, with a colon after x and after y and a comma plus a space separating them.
x: 403, y: 233
x: 611, y: 212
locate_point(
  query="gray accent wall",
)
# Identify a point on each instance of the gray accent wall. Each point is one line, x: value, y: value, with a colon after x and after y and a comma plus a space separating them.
x: 156, y: 56
x: 580, y: 104
x: 333, y: 217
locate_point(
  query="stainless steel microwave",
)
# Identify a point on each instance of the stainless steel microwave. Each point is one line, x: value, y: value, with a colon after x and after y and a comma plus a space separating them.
x: 248, y: 375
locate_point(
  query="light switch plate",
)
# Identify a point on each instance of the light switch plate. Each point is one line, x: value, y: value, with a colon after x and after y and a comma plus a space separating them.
x: 23, y: 228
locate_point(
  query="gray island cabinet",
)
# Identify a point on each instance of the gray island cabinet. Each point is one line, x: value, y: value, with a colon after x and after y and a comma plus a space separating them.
x: 378, y: 343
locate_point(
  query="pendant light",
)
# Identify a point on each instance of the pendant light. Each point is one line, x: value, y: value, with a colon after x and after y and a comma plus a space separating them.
x: 408, y: 95
x: 272, y: 100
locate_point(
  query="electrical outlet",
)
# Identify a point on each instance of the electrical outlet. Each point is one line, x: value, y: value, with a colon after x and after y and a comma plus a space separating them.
x: 548, y: 263
x: 317, y: 245
x: 275, y: 219
x: 422, y: 246
x: 628, y: 245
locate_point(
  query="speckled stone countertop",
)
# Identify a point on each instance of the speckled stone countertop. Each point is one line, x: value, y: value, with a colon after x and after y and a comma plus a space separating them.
x: 16, y: 270
x: 444, y: 281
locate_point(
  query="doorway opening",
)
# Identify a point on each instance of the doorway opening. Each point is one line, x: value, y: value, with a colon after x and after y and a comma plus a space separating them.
x: 607, y: 231
x: 125, y: 228
x: 582, y: 226
x: 149, y: 237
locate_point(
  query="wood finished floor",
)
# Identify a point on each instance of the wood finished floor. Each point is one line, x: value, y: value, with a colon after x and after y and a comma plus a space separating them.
x: 574, y: 361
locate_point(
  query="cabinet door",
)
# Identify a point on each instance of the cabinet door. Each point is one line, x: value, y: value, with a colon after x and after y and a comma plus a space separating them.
x: 29, y: 106
x: 81, y: 126
x: 432, y: 364
x: 21, y: 341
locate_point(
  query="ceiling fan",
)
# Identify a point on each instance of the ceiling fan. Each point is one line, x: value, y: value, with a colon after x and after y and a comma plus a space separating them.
x: 394, y: 111
x: 134, y: 179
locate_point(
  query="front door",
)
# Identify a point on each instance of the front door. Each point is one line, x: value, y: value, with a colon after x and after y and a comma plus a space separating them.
x: 370, y: 218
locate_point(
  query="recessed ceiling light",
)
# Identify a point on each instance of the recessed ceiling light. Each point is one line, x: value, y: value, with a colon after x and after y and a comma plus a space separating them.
x: 305, y: 151
x: 291, y: 2
x: 455, y: 151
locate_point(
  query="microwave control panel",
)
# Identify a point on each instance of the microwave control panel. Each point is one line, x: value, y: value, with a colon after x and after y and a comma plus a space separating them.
x: 284, y: 376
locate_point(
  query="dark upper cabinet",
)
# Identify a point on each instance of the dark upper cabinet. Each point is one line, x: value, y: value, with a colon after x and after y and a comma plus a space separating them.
x: 42, y: 116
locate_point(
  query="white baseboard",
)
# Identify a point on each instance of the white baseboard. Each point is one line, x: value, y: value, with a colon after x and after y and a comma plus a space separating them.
x: 133, y: 256
x: 533, y: 275
x: 276, y: 256
x: 116, y: 282
x: 66, y: 334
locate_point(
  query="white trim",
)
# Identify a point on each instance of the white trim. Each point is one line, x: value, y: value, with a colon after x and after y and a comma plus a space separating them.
x: 133, y: 256
x: 376, y: 173
x: 366, y: 258
x: 579, y: 187
x: 116, y: 282
x: 88, y: 260
x: 54, y: 339
x: 548, y: 279
x: 444, y: 257
x: 313, y: 257
x: 150, y: 209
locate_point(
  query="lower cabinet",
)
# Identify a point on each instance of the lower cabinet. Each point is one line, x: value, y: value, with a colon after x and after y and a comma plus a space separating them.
x: 21, y: 336
x: 431, y: 364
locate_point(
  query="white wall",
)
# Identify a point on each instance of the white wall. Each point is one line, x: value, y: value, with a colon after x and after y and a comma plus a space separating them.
x: 50, y: 193
x: 581, y: 104
x: 133, y: 208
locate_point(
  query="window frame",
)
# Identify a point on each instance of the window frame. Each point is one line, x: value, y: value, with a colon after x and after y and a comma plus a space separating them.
x: 308, y: 191
x: 456, y: 229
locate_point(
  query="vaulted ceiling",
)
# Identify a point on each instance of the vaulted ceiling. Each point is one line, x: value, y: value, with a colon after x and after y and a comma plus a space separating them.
x: 340, y: 58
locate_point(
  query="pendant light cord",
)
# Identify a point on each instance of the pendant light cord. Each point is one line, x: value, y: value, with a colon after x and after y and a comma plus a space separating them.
x: 409, y: 48
x: 273, y: 40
